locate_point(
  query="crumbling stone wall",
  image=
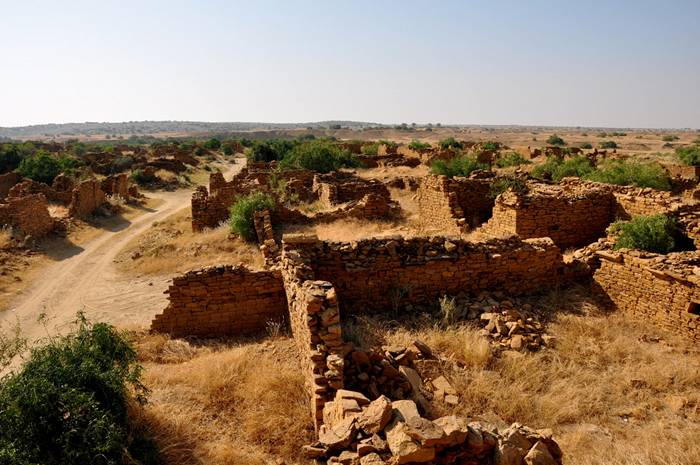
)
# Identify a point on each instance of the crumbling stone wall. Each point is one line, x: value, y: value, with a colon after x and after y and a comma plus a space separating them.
x: 454, y: 205
x: 683, y: 171
x: 222, y: 301
x: 314, y: 317
x: 663, y: 290
x: 28, y: 214
x: 381, y: 274
x: 30, y: 187
x: 337, y: 187
x: 7, y: 181
x: 569, y: 215
x: 117, y: 184
x: 86, y: 198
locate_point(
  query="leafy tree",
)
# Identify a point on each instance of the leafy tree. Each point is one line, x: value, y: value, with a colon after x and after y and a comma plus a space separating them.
x: 212, y: 144
x: 318, y: 155
x: 555, y: 140
x: 241, y: 213
x: 656, y: 233
x: 457, y: 166
x: 68, y: 404
x: 228, y: 150
x: 690, y: 155
x: 10, y: 158
x: 41, y: 167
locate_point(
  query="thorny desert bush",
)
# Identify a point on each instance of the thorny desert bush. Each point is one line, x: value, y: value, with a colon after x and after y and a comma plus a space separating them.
x: 318, y: 155
x: 689, y: 155
x: 457, y: 166
x: 555, y: 140
x: 555, y: 168
x: 69, y: 403
x: 608, y: 144
x: 450, y: 143
x: 501, y: 185
x: 656, y: 233
x: 632, y: 173
x: 511, y: 159
x: 418, y: 145
x: 241, y: 213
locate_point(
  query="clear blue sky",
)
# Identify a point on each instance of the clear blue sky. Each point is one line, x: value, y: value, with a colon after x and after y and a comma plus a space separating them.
x: 589, y: 63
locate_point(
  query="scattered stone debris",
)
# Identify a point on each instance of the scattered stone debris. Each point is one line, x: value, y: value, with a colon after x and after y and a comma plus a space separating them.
x: 516, y: 329
x: 357, y: 431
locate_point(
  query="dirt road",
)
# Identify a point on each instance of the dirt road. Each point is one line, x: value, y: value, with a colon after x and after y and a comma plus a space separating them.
x: 89, y: 281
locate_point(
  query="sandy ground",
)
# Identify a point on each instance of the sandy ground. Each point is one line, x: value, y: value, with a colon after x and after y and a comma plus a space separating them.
x: 86, y: 279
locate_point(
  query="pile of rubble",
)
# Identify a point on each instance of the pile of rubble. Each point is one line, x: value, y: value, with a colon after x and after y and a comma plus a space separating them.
x: 516, y: 329
x: 397, y: 372
x: 357, y: 431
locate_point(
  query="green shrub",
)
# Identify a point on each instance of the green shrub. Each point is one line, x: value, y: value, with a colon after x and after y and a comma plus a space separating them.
x: 388, y: 143
x: 457, y: 166
x: 511, y: 159
x: 370, y: 149
x: 490, y: 146
x: 318, y: 155
x: 44, y: 167
x: 450, y: 143
x: 212, y: 144
x: 669, y: 138
x: 10, y: 158
x: 228, y: 150
x: 418, y: 145
x: 602, y: 134
x: 555, y: 140
x: 271, y: 150
x: 586, y: 145
x: 68, y: 404
x: 656, y: 233
x: 608, y: 144
x: 555, y: 168
x: 690, y: 155
x: 122, y: 164
x: 240, y: 217
x: 140, y: 177
x: 631, y: 173
x: 501, y: 185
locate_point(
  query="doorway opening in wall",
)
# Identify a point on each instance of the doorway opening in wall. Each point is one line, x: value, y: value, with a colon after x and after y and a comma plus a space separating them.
x: 694, y: 308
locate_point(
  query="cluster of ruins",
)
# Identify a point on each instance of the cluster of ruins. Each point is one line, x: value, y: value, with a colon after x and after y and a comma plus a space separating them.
x: 518, y: 240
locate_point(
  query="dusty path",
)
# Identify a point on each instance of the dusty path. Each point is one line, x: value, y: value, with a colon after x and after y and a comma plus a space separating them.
x: 89, y: 281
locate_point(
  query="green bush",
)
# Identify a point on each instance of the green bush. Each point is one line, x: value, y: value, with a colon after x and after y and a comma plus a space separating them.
x: 608, y: 144
x: 418, y: 145
x: 690, y: 155
x: 631, y: 173
x: 450, y: 143
x: 318, y: 155
x: 212, y: 144
x: 555, y: 140
x: 656, y: 233
x: 388, y: 143
x: 370, y: 149
x: 68, y: 404
x: 10, y: 158
x: 555, y: 168
x: 457, y: 166
x: 271, y: 150
x: 511, y: 159
x: 122, y: 164
x: 501, y: 185
x: 44, y: 167
x: 586, y: 145
x: 490, y: 146
x: 228, y: 150
x: 140, y: 177
x: 669, y: 138
x: 240, y: 217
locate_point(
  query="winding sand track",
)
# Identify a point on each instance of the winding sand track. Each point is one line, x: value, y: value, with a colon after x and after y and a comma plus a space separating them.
x: 89, y: 281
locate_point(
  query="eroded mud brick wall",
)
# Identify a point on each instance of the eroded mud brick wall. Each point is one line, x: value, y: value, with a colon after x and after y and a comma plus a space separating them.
x: 315, y: 322
x: 454, y: 204
x: 117, y: 184
x: 381, y: 274
x: 222, y: 301
x: 30, y: 214
x: 8, y: 180
x: 662, y: 290
x: 86, y: 198
x: 337, y: 187
x: 569, y: 217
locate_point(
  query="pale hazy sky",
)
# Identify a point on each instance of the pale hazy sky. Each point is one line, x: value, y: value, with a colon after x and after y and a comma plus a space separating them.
x: 589, y: 63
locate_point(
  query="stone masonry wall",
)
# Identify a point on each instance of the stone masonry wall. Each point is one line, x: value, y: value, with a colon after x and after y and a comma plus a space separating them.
x: 8, y: 180
x: 453, y: 205
x: 29, y: 214
x: 663, y: 290
x: 314, y: 317
x: 336, y: 188
x: 222, y: 301
x: 86, y: 198
x: 570, y: 217
x: 380, y: 274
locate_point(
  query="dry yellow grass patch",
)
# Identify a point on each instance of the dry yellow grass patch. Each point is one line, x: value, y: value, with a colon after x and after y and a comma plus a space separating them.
x: 223, y: 403
x: 611, y: 394
x: 170, y: 246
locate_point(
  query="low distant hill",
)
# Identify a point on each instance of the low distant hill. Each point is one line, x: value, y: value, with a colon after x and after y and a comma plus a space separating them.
x: 158, y: 127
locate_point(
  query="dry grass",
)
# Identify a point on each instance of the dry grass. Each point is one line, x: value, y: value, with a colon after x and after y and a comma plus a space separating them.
x: 610, y: 395
x: 224, y: 403
x: 170, y: 246
x: 5, y: 237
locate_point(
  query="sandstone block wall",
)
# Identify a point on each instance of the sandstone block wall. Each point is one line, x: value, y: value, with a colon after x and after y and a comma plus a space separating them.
x: 117, y: 184
x: 336, y: 188
x: 663, y: 290
x: 454, y: 205
x: 29, y: 214
x: 569, y: 217
x: 381, y: 274
x: 222, y: 301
